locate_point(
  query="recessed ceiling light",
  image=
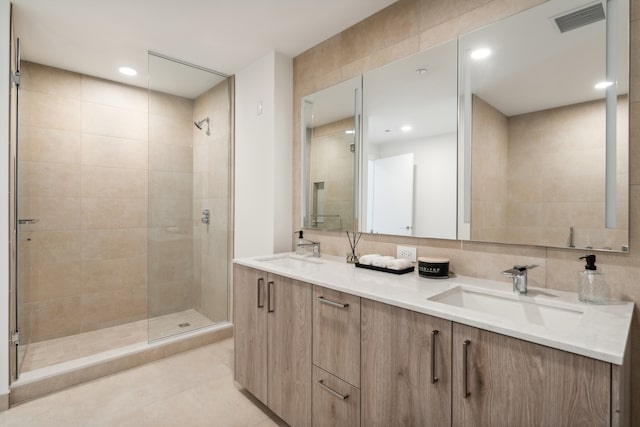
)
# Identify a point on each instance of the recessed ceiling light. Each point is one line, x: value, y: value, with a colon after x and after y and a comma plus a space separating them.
x: 603, y: 85
x: 406, y: 128
x: 350, y: 131
x: 481, y: 53
x: 127, y: 71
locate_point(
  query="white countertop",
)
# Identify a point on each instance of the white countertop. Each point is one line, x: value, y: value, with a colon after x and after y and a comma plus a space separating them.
x: 601, y: 334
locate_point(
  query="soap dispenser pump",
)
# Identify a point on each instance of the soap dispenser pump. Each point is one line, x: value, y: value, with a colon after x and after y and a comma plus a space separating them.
x: 300, y: 250
x: 591, y: 285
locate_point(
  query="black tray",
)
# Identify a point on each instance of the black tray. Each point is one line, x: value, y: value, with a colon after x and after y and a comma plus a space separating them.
x: 386, y: 270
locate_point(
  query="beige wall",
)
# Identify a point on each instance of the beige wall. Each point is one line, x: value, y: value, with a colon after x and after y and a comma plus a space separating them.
x: 211, y: 191
x: 527, y: 185
x: 171, y: 166
x: 83, y: 165
x: 331, y: 162
x: 489, y: 172
x: 410, y: 26
x: 556, y: 177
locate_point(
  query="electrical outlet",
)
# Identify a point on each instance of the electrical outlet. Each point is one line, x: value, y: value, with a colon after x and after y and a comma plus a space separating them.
x: 408, y: 252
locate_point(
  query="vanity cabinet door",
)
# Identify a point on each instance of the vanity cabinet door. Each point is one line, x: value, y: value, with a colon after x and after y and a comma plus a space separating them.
x: 335, y: 402
x: 503, y: 381
x: 289, y: 348
x: 250, y: 329
x: 406, y: 367
x: 336, y: 333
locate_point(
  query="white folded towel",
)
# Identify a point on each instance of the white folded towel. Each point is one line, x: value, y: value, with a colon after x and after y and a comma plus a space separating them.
x: 399, y: 264
x: 368, y: 259
x: 382, y: 261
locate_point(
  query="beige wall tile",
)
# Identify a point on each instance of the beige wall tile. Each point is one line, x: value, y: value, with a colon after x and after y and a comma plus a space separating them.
x: 170, y: 130
x: 113, y: 152
x: 57, y: 280
x: 108, y: 308
x: 54, y: 213
x: 113, y: 243
x: 634, y: 61
x: 634, y: 148
x: 170, y: 158
x: 105, y: 92
x: 51, y: 247
x: 105, y: 120
x: 113, y: 182
x: 114, y: 213
x: 50, y: 111
x: 54, y: 318
x: 50, y: 81
x: 38, y: 144
x: 111, y: 274
x: 51, y: 180
x: 163, y: 185
x: 163, y: 104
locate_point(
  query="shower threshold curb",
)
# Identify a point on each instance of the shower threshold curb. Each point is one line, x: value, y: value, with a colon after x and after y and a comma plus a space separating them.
x: 44, y: 381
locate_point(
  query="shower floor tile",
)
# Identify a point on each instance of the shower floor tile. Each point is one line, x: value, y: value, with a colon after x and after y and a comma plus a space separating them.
x: 46, y: 353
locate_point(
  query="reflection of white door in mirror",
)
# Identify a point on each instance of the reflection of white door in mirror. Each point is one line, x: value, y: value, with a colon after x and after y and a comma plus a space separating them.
x: 392, y: 194
x: 410, y: 107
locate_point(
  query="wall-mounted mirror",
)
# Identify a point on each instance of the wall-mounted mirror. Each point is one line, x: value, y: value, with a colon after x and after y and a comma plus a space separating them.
x: 544, y: 127
x: 409, y: 153
x: 329, y: 143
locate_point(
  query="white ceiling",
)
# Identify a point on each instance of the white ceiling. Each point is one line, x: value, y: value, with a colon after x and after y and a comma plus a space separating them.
x: 96, y: 37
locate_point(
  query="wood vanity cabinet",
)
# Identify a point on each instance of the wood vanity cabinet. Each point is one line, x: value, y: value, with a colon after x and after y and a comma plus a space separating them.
x: 272, y: 330
x: 336, y: 333
x: 406, y: 367
x: 336, y: 358
x: 503, y: 381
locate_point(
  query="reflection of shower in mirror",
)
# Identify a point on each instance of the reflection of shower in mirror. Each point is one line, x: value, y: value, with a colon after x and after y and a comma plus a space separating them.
x: 198, y: 124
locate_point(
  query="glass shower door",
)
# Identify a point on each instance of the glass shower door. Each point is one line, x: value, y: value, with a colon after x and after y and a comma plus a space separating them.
x: 21, y: 220
x: 189, y: 158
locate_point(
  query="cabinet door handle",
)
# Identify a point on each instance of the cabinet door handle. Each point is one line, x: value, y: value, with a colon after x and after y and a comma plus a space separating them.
x: 260, y: 285
x: 270, y: 294
x: 434, y: 334
x: 465, y: 375
x: 332, y: 391
x: 332, y: 303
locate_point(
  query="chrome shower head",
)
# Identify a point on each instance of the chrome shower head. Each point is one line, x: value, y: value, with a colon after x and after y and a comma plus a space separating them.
x: 198, y: 124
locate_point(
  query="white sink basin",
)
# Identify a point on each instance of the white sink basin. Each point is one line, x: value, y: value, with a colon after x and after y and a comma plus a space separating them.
x: 291, y: 261
x: 514, y: 308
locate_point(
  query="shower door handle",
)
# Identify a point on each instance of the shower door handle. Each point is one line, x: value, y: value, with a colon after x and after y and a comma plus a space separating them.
x: 29, y: 221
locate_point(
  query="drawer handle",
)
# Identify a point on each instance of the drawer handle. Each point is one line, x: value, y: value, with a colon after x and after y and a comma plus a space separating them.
x: 270, y: 309
x: 332, y: 391
x: 465, y: 375
x: 434, y: 378
x: 332, y: 303
x: 260, y: 284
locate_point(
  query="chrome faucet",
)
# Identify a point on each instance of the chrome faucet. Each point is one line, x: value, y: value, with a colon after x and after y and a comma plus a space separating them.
x: 304, y: 243
x: 519, y: 275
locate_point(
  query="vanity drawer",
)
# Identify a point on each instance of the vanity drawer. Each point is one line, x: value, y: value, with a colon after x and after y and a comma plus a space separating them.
x: 336, y: 333
x: 335, y: 402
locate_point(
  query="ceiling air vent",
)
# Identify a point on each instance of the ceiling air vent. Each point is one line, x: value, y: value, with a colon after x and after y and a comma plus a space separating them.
x: 580, y: 18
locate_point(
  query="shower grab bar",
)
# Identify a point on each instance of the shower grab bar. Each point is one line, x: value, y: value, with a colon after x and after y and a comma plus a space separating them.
x: 29, y: 221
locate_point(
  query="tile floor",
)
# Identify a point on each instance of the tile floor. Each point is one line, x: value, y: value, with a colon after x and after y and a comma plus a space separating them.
x: 51, y: 352
x: 190, y: 389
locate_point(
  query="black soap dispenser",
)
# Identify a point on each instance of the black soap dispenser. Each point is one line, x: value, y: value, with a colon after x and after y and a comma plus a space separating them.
x: 591, y: 285
x: 300, y: 249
